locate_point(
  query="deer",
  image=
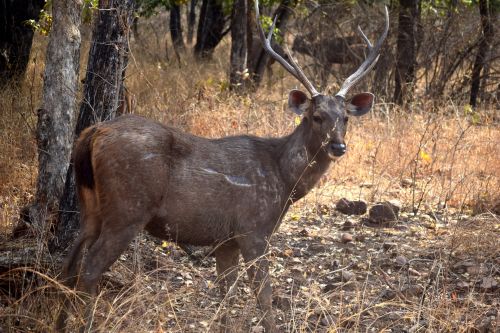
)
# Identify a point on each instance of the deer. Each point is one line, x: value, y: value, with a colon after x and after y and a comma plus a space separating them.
x: 134, y: 174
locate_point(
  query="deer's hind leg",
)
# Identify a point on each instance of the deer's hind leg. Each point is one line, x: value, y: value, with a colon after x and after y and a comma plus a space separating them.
x: 227, y: 257
x: 119, y: 228
x: 90, y: 228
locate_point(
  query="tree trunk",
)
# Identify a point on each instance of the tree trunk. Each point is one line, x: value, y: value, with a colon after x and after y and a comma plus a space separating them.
x: 406, y: 57
x: 16, y: 37
x: 191, y: 21
x: 56, y: 117
x: 210, y: 28
x: 261, y: 58
x: 176, y: 29
x: 486, y: 40
x: 239, y: 45
x: 102, y: 95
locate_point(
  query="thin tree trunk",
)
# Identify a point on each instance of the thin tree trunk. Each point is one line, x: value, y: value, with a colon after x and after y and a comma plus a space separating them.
x: 258, y: 66
x: 56, y: 117
x: 102, y: 95
x: 486, y: 39
x: 238, y: 70
x: 210, y: 28
x: 16, y: 37
x: 191, y: 21
x: 406, y: 57
x: 176, y: 29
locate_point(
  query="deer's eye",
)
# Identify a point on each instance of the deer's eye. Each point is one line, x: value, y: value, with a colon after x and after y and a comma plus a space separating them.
x: 346, y: 119
x: 317, y: 119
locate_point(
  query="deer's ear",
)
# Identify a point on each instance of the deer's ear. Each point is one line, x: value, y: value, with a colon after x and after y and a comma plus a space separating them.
x: 298, y: 101
x: 360, y: 104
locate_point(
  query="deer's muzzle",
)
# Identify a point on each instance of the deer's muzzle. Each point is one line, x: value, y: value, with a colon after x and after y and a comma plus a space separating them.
x: 337, y: 149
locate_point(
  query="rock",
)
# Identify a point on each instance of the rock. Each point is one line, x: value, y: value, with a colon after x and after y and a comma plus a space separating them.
x: 412, y: 291
x: 388, y: 294
x: 329, y: 287
x: 346, y: 238
x: 347, y: 275
x: 384, y: 212
x: 388, y: 246
x: 401, y: 261
x: 347, y: 225
x: 257, y: 329
x: 317, y: 248
x: 407, y: 182
x: 476, y: 270
x: 304, y: 232
x: 489, y: 283
x: 348, y: 207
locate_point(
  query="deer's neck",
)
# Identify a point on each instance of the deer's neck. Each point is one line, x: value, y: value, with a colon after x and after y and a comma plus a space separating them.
x: 302, y: 160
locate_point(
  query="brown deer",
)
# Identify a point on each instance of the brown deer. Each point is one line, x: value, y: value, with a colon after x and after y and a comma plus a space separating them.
x: 134, y: 174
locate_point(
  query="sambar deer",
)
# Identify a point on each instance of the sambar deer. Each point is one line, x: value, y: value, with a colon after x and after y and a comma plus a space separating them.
x: 133, y: 174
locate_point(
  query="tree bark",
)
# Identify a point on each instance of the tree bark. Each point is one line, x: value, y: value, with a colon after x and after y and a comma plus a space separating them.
x: 239, y: 51
x: 56, y: 117
x: 261, y: 58
x: 191, y: 21
x: 176, y: 29
x: 210, y: 28
x: 102, y: 95
x: 406, y: 57
x: 16, y: 37
x: 486, y: 40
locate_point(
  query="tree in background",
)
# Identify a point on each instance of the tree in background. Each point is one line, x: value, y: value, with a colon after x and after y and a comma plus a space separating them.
x: 485, y: 44
x: 258, y: 57
x: 406, y: 54
x: 16, y: 36
x: 56, y: 117
x: 176, y: 29
x: 239, y: 52
x: 191, y: 20
x: 210, y: 31
x: 103, y: 94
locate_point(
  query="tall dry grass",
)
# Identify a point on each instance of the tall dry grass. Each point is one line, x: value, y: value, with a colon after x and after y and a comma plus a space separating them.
x: 442, y: 159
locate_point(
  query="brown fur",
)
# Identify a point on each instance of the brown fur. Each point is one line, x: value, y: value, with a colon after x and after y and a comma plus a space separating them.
x: 81, y: 159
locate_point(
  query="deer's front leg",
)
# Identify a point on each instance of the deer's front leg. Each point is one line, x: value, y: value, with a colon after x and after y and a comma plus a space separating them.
x: 254, y: 251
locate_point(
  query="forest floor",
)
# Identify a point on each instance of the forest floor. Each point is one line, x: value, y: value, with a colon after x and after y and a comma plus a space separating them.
x: 430, y: 272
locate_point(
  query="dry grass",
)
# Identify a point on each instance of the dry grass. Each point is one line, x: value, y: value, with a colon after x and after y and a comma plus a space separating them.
x: 437, y: 161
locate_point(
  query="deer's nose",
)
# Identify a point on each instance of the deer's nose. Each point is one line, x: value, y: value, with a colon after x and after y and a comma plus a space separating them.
x: 338, y: 149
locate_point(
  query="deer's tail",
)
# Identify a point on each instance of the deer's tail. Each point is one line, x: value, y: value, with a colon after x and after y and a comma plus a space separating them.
x: 82, y: 159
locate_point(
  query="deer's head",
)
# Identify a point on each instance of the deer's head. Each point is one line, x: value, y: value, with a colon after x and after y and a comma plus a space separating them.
x: 326, y: 115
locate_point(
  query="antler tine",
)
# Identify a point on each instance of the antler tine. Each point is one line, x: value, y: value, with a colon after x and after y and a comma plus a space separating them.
x: 302, y: 77
x: 370, y: 60
x: 367, y: 41
x: 293, y: 68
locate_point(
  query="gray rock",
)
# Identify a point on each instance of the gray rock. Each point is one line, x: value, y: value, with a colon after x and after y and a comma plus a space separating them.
x: 346, y: 238
x: 384, y: 212
x: 401, y: 261
x: 349, y: 207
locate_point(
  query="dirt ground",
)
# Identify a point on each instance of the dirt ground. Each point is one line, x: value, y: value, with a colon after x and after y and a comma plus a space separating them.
x: 430, y: 272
